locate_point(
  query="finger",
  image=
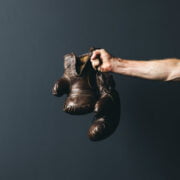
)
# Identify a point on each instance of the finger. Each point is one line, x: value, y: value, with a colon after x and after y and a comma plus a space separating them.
x: 99, y: 69
x: 95, y: 63
x: 95, y: 54
x: 103, y: 70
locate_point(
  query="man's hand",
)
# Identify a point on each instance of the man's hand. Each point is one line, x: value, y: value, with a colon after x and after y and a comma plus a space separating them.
x: 164, y: 69
x: 102, y: 61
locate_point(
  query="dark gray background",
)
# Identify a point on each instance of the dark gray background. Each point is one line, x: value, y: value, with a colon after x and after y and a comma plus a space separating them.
x: 40, y: 142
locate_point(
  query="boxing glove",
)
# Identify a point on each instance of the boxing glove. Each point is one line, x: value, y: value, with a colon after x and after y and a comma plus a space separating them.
x: 79, y: 83
x: 107, y: 108
x: 87, y: 91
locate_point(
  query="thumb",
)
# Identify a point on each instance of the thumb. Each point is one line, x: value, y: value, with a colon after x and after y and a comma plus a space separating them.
x: 95, y: 54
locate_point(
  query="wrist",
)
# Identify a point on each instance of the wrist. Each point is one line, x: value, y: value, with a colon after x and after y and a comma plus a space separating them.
x: 115, y: 62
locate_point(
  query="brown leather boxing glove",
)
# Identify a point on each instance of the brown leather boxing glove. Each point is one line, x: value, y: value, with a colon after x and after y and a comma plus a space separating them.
x: 107, y: 108
x: 78, y: 82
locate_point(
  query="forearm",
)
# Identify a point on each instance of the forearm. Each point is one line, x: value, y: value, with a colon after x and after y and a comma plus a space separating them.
x: 165, y: 70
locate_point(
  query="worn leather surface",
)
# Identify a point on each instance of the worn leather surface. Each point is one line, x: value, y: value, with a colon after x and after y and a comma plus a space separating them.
x: 87, y: 91
x: 107, y: 108
x: 78, y: 83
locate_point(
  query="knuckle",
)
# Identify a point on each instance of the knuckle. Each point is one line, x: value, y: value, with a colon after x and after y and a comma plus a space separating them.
x: 106, y: 67
x: 96, y: 63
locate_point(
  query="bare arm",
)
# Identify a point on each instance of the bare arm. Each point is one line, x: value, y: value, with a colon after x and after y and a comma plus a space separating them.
x: 165, y: 69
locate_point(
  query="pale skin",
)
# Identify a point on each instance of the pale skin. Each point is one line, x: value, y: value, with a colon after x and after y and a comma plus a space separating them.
x: 161, y: 69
